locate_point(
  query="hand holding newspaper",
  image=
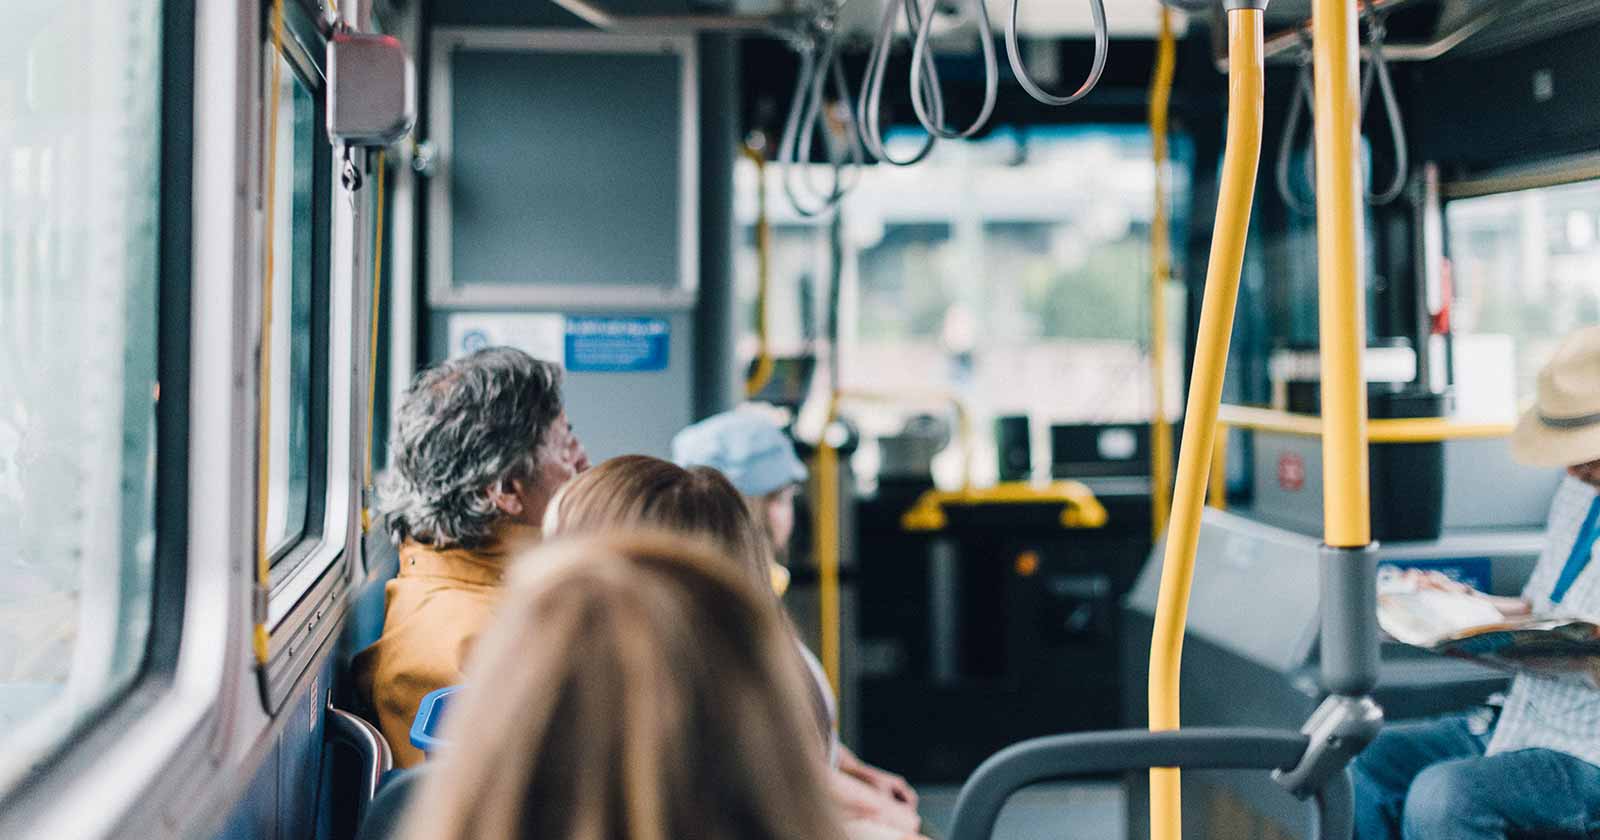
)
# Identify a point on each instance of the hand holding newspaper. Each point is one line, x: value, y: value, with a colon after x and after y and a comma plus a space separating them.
x: 1463, y: 623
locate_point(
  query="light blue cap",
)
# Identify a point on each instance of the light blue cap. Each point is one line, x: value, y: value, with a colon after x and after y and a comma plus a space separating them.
x: 749, y: 449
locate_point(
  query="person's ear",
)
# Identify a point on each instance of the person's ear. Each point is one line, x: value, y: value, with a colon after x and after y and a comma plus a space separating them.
x: 551, y: 522
x: 507, y: 496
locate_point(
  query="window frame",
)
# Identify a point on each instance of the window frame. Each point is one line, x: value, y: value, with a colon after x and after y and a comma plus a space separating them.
x: 1543, y: 174
x: 285, y: 314
x: 289, y: 561
x: 308, y: 577
x: 1553, y: 172
x: 82, y: 748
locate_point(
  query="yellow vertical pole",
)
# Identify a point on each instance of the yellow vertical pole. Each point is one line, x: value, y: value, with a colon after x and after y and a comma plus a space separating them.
x: 1239, y: 168
x: 1340, y: 259
x: 372, y: 342
x: 1160, y: 273
x: 762, y: 374
x: 825, y: 547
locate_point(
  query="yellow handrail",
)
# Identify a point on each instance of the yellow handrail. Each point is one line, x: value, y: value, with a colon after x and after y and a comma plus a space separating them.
x: 372, y: 346
x: 1431, y: 429
x: 1389, y: 430
x: 1269, y: 420
x: 1079, y: 506
x: 825, y: 546
x: 1160, y: 273
x: 762, y: 374
x: 1240, y: 163
x: 1341, y: 270
x: 260, y: 635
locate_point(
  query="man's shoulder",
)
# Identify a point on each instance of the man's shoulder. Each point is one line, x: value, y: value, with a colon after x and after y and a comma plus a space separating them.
x: 1572, y: 499
x: 440, y: 603
x: 428, y: 631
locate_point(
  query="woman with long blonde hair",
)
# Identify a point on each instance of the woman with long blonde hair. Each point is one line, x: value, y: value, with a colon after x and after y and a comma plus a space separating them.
x: 635, y: 491
x: 759, y: 460
x: 632, y: 687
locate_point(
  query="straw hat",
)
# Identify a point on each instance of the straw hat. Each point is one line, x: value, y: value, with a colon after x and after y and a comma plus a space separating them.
x: 1563, y: 427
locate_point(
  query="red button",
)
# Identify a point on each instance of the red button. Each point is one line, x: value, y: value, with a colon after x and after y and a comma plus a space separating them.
x: 1291, y: 472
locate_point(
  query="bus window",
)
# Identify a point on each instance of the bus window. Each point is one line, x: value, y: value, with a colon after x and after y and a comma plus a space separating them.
x: 79, y: 214
x: 291, y: 228
x: 1523, y: 272
x: 1012, y: 271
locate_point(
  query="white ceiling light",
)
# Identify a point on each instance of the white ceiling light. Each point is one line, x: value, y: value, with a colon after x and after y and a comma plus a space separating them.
x: 1036, y: 19
x: 1070, y: 18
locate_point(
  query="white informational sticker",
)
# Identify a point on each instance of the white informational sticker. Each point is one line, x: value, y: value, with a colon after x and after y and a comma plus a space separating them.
x: 1117, y: 444
x: 540, y: 336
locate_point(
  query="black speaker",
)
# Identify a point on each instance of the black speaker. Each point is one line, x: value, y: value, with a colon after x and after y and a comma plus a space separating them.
x: 1015, y: 448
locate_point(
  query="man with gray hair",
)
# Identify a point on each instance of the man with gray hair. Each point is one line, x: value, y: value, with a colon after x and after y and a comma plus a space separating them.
x: 480, y: 445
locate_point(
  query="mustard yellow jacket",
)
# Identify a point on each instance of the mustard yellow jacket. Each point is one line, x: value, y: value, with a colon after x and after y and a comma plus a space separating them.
x: 436, y: 607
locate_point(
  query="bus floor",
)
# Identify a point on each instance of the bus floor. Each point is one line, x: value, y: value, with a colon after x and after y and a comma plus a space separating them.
x: 1095, y: 810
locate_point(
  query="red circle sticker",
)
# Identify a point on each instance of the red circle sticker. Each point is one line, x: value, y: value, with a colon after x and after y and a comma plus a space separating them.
x: 1291, y: 472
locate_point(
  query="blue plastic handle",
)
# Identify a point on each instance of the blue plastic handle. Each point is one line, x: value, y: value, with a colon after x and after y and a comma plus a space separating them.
x: 430, y: 716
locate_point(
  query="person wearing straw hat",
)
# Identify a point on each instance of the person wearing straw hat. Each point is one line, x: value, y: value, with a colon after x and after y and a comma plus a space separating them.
x: 759, y: 460
x: 1536, y: 769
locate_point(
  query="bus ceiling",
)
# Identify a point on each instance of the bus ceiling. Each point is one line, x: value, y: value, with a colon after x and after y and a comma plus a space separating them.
x: 1429, y: 29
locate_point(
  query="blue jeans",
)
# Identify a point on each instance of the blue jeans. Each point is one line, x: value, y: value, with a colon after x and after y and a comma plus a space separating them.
x: 1432, y: 781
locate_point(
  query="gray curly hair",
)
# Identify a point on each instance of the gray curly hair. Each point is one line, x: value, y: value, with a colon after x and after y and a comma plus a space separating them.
x: 465, y: 426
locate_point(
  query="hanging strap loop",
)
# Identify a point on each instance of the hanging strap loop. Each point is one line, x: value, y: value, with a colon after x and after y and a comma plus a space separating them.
x: 921, y: 56
x: 1102, y: 45
x: 805, y: 111
x: 1375, y: 75
x: 869, y: 115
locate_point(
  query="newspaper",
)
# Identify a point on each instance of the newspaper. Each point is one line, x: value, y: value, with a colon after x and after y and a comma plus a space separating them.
x: 1467, y: 626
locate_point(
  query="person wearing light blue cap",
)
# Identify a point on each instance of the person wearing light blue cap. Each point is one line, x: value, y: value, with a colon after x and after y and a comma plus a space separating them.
x: 759, y: 460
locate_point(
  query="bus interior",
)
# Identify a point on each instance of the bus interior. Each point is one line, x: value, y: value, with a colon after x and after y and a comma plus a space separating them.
x: 976, y: 289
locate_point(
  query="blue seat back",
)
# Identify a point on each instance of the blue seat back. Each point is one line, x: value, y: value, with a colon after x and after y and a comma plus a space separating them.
x: 364, y: 623
x: 383, y: 817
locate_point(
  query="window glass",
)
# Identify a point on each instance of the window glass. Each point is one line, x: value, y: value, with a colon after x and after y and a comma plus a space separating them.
x: 79, y: 198
x: 1525, y: 271
x: 1013, y: 272
x: 289, y: 455
x: 1289, y: 256
x: 800, y: 256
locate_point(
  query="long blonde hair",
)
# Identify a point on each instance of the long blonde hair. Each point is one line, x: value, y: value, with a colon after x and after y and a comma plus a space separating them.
x: 632, y: 687
x: 638, y: 490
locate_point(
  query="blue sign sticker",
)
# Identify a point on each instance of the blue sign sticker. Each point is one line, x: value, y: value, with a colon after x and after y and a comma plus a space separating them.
x: 473, y: 341
x: 1472, y: 571
x: 616, y: 345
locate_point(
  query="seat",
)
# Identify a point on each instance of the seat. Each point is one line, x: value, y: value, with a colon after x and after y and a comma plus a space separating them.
x: 362, y: 758
x: 364, y: 622
x: 384, y: 815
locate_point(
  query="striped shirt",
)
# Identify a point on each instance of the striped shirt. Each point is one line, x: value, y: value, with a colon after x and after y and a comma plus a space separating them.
x: 1543, y: 712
